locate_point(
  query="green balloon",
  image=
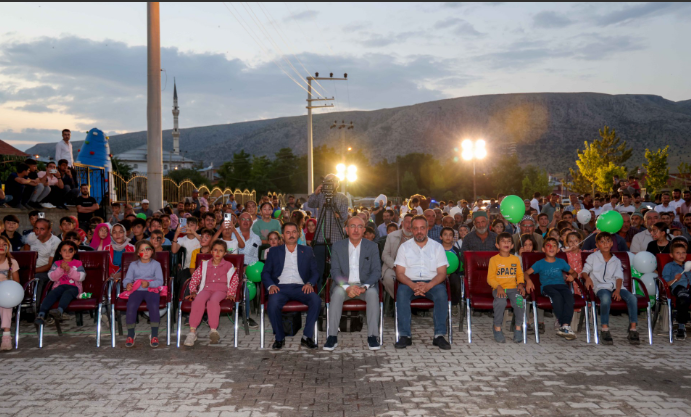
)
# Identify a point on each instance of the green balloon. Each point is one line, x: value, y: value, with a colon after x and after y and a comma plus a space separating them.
x: 252, y: 290
x: 610, y: 222
x: 512, y: 208
x: 277, y: 214
x: 254, y: 271
x: 141, y: 216
x: 453, y: 262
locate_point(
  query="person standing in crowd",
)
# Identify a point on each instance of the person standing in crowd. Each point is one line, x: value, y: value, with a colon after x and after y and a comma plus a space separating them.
x: 573, y: 200
x: 290, y: 273
x: 63, y: 149
x: 480, y: 238
x: 552, y: 206
x: 625, y: 206
x: 86, y: 206
x: 291, y: 207
x: 266, y: 224
x: 640, y: 241
x: 332, y: 226
x: 421, y: 272
x: 676, y: 203
x: 388, y: 217
x: 434, y: 230
x: 145, y: 209
x: 355, y: 266
x: 535, y: 202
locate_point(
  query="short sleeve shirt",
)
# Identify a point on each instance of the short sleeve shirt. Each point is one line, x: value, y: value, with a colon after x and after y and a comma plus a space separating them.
x: 190, y: 245
x: 262, y: 228
x: 85, y: 202
x: 551, y: 272
x: 421, y: 263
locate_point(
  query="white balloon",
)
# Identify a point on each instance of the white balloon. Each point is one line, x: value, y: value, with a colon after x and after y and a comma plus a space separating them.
x: 649, y: 282
x: 644, y: 262
x: 687, y: 266
x: 583, y: 216
x: 455, y: 210
x: 11, y: 294
x: 382, y: 200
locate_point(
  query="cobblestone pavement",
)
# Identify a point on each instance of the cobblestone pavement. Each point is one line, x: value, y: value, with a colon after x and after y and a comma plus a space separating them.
x: 71, y: 377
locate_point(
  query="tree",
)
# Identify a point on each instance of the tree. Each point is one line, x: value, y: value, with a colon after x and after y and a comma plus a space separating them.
x: 535, y: 180
x: 610, y: 147
x: 409, y: 184
x: 598, y: 154
x: 684, y: 171
x: 605, y: 175
x: 283, y: 170
x: 124, y: 170
x: 506, y: 176
x: 179, y: 175
x: 657, y: 170
x: 237, y: 173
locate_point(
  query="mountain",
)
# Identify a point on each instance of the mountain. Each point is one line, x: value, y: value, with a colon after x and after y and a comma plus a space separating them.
x: 546, y: 129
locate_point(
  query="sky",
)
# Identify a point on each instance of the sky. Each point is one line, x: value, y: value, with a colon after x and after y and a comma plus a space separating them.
x: 83, y: 65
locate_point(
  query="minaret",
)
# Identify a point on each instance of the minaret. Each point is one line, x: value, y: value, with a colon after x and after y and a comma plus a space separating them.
x: 176, y: 112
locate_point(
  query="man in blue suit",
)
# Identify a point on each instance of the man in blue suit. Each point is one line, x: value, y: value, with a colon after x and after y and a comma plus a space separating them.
x: 290, y: 274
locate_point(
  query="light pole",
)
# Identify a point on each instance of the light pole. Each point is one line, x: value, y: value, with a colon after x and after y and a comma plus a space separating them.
x: 473, y: 150
x: 346, y: 174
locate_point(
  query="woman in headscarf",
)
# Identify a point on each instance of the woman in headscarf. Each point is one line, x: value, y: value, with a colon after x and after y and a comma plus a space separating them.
x: 119, y: 244
x: 101, y: 237
x: 310, y: 230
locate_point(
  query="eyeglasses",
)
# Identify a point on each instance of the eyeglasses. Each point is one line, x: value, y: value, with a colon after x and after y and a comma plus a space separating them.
x: 356, y: 226
x: 245, y: 220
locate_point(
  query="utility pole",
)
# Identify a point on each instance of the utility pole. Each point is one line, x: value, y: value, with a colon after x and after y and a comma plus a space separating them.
x: 310, y: 141
x: 154, y: 137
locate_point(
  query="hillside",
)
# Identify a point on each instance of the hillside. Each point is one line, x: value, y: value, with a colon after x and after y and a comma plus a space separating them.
x: 547, y: 129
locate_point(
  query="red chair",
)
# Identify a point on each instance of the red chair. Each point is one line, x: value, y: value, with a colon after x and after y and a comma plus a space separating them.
x: 356, y: 305
x: 227, y: 306
x: 96, y: 282
x: 478, y: 292
x: 27, y: 270
x: 664, y: 292
x: 643, y: 300
x: 422, y: 304
x: 289, y: 307
x: 540, y: 301
x: 121, y: 305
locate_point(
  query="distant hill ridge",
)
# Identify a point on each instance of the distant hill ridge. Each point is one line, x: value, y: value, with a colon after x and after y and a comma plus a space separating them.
x: 546, y: 128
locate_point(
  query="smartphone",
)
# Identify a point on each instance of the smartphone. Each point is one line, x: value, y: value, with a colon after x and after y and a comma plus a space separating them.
x: 41, y: 215
x: 183, y: 222
x: 53, y: 171
x: 228, y: 217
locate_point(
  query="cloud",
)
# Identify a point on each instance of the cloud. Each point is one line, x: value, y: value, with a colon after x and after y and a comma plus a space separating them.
x: 356, y: 26
x: 305, y: 15
x: 35, y: 108
x: 106, y: 86
x: 459, y: 27
x: 26, y: 138
x: 550, y: 19
x: 376, y: 40
x: 628, y: 14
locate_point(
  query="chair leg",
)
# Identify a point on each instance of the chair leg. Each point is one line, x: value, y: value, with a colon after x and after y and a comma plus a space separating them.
x: 327, y: 319
x: 170, y: 313
x: 450, y: 325
x: 16, y: 329
x: 98, y: 326
x: 261, y: 326
x: 179, y: 323
x: 595, y: 332
x: 40, y: 336
x: 112, y: 325
x: 467, y: 316
x: 118, y: 315
x: 316, y: 333
x: 395, y: 313
x: 650, y: 325
x: 587, y: 322
x: 381, y: 324
x: 535, y: 324
x: 58, y: 327
x: 669, y: 319
x: 237, y: 324
x: 525, y: 325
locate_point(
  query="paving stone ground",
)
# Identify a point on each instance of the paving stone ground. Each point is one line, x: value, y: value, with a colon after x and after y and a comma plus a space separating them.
x: 71, y: 377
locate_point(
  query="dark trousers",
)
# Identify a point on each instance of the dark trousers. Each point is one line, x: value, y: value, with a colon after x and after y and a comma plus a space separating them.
x: 682, y: 304
x: 63, y: 294
x: 21, y: 195
x: 152, y: 300
x: 562, y: 302
x: 56, y: 196
x: 43, y: 280
x: 455, y: 287
x: 292, y: 292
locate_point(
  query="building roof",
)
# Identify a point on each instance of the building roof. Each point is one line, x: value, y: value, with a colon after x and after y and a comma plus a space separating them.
x: 139, y: 155
x: 7, y: 149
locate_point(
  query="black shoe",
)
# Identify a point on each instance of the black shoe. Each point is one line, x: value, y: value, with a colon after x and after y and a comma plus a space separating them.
x: 35, y: 205
x: 633, y: 337
x: 606, y: 337
x: 373, y: 343
x: 278, y: 344
x: 253, y: 324
x: 308, y: 343
x: 403, y: 342
x: 331, y: 343
x: 39, y: 320
x: 441, y: 343
x: 681, y: 333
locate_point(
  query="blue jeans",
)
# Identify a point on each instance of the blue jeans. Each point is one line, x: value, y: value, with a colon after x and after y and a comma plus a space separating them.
x: 605, y: 297
x: 436, y: 294
x: 62, y: 294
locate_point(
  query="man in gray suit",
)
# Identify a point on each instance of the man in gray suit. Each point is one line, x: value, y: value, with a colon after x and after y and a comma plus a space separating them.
x: 388, y: 256
x: 355, y: 268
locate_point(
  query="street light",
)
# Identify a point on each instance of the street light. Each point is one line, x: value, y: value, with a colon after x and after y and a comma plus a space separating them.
x: 473, y: 151
x: 344, y: 174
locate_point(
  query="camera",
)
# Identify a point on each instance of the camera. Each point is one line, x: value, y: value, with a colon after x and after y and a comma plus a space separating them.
x: 329, y: 187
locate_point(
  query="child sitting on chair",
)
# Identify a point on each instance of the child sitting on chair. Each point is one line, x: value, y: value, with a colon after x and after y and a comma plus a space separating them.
x: 67, y: 274
x: 679, y: 280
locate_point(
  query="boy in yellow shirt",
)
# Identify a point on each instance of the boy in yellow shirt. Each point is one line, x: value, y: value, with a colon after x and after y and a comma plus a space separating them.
x: 505, y: 276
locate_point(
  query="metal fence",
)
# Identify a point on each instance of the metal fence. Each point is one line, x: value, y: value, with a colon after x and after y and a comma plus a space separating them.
x: 135, y: 190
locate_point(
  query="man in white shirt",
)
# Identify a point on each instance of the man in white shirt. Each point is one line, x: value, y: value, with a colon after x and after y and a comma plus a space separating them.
x: 641, y: 240
x: 290, y: 274
x: 63, y: 150
x: 613, y: 201
x: 535, y: 203
x: 676, y: 203
x: 44, y: 243
x: 421, y: 272
x: 666, y: 206
x: 355, y: 269
x: 626, y: 206
x: 597, y: 209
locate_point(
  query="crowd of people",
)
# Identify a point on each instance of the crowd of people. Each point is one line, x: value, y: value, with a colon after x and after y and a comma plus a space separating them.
x: 358, y: 247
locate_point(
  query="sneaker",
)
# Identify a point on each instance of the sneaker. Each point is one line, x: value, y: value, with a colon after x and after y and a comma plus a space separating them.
x: 253, y: 324
x: 47, y: 205
x: 130, y: 342
x: 499, y: 336
x: 541, y: 328
x: 403, y: 342
x: 190, y: 339
x: 562, y: 331
x: 373, y: 343
x: 568, y: 333
x: 6, y: 343
x: 331, y: 343
x: 441, y: 343
x: 214, y: 337
x: 518, y: 336
x: 633, y: 337
x: 681, y: 333
x: 606, y: 337
x: 153, y: 342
